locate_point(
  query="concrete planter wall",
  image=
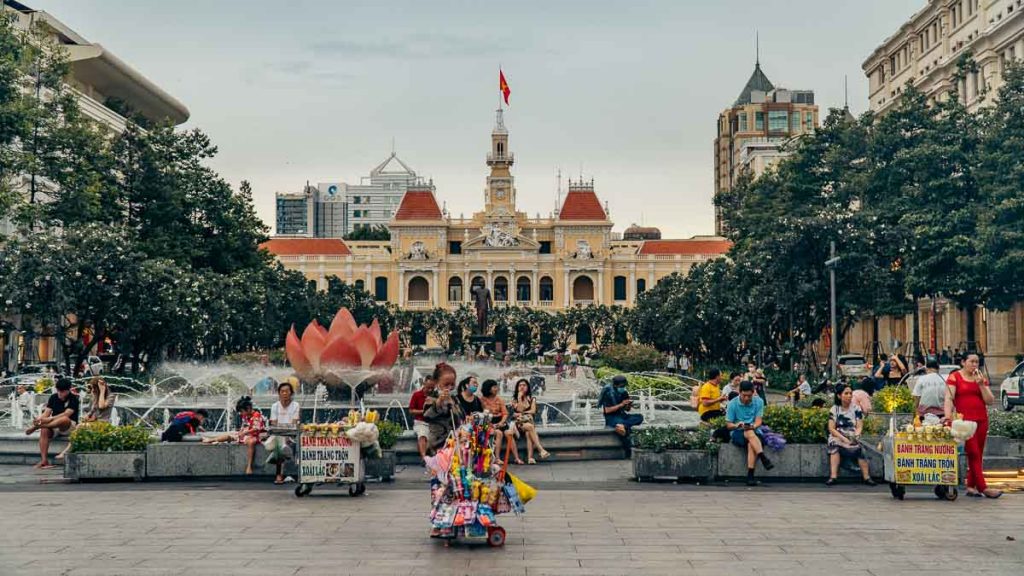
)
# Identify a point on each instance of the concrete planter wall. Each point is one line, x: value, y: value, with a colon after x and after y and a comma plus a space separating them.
x: 192, y: 459
x: 794, y: 462
x: 680, y: 464
x: 105, y: 466
x: 383, y: 467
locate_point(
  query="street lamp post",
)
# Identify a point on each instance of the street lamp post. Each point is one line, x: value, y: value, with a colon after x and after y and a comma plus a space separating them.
x: 831, y: 265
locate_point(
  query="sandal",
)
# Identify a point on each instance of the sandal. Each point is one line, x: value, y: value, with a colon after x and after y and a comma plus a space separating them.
x: 531, y: 461
x: 519, y: 461
x: 545, y: 455
x: 996, y: 494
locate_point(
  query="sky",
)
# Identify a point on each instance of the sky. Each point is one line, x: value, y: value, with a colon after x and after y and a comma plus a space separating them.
x: 626, y: 93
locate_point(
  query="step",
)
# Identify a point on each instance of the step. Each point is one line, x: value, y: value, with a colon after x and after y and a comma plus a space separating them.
x: 23, y: 449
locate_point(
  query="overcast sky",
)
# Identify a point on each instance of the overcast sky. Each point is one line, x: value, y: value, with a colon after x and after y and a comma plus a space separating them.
x: 627, y: 92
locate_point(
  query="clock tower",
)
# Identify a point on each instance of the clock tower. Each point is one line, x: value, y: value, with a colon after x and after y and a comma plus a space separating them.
x: 500, y: 196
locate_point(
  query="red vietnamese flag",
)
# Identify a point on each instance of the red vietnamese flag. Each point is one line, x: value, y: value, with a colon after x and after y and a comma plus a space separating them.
x: 503, y: 86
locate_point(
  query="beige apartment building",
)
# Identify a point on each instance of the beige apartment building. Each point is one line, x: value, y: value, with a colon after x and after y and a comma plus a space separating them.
x: 754, y: 133
x: 569, y: 258
x: 103, y: 84
x: 923, y: 53
x: 925, y: 49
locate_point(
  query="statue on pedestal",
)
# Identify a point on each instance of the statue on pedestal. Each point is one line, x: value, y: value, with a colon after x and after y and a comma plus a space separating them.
x: 482, y: 303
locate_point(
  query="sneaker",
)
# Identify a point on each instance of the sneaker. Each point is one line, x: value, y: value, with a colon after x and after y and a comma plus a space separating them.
x: 752, y: 482
x: 870, y: 482
x: 830, y: 482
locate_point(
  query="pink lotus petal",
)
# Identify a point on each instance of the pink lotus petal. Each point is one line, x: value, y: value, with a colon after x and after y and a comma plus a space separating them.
x: 320, y: 329
x: 296, y: 357
x: 375, y: 331
x: 313, y: 343
x: 343, y: 325
x: 364, y: 343
x: 388, y: 353
x: 340, y: 352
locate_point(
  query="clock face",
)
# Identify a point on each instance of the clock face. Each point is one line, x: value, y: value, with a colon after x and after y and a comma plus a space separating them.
x: 500, y: 194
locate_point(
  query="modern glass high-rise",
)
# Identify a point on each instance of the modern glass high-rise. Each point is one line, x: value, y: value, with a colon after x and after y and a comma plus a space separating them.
x: 375, y: 199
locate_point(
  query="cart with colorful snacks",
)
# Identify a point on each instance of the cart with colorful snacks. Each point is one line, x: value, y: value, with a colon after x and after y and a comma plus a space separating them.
x: 927, y: 454
x: 470, y: 487
x: 335, y: 453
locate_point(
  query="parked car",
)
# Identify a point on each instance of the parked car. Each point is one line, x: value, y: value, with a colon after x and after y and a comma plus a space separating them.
x: 1011, y: 391
x: 944, y: 370
x: 853, y: 366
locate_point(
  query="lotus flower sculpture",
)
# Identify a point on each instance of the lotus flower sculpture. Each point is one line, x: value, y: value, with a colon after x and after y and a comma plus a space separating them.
x: 343, y: 353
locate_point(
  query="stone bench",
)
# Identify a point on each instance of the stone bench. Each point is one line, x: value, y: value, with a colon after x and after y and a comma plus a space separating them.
x: 192, y: 459
x: 794, y: 462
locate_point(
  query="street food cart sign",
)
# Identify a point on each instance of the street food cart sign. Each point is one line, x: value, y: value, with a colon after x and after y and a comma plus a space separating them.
x: 924, y: 462
x: 328, y: 459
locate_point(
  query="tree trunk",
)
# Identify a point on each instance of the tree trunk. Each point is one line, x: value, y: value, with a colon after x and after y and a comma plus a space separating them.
x: 917, y: 329
x: 874, y: 340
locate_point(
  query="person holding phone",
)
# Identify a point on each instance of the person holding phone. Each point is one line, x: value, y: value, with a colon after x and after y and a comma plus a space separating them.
x: 969, y: 394
x: 743, y: 418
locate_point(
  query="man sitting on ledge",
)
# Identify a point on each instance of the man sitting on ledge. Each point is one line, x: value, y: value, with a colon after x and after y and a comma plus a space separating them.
x: 58, y: 419
x: 743, y: 418
x: 615, y: 403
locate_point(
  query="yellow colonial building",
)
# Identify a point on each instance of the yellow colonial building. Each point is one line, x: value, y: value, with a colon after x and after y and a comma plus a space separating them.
x: 570, y: 258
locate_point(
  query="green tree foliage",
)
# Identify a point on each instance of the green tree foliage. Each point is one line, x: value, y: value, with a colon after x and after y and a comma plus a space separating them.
x: 375, y: 232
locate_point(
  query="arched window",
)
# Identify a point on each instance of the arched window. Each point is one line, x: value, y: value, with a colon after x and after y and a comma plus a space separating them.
x: 584, y: 336
x: 380, y: 288
x: 455, y: 289
x: 476, y: 281
x: 583, y: 289
x: 501, y: 289
x: 419, y: 289
x: 641, y: 286
x: 620, y: 288
x: 360, y: 285
x: 546, y: 289
x: 523, y: 289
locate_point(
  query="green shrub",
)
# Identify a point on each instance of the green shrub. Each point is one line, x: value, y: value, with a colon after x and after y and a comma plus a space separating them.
x: 809, y: 400
x: 388, y: 433
x: 893, y: 399
x: 633, y: 357
x: 661, y: 438
x: 782, y: 380
x: 798, y: 425
x: 662, y: 386
x: 105, y: 437
x: 1007, y: 424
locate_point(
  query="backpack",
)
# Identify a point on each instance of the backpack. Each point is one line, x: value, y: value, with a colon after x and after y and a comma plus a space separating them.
x: 695, y: 396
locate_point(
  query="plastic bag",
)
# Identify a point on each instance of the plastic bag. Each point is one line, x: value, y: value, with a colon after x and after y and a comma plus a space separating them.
x: 523, y: 490
x: 278, y: 450
x: 963, y: 430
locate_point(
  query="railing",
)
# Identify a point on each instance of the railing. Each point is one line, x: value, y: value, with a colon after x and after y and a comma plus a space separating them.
x: 418, y: 305
x: 583, y: 302
x: 545, y: 303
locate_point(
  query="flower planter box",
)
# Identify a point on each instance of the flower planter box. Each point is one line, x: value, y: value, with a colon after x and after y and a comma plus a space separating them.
x: 807, y: 462
x: 383, y: 467
x: 678, y: 464
x: 105, y: 466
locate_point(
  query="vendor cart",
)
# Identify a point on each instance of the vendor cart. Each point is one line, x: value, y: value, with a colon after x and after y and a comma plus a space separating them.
x: 912, y: 460
x: 325, y: 455
x: 470, y: 488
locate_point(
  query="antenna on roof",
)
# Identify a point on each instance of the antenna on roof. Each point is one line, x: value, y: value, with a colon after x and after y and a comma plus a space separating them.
x: 558, y: 190
x: 392, y: 145
x: 757, y: 47
x: 846, y: 91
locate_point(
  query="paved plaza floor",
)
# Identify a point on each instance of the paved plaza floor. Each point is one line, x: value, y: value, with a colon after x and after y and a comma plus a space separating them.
x: 571, y: 528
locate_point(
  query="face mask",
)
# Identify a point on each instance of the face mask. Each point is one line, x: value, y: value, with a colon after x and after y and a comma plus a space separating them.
x: 472, y: 389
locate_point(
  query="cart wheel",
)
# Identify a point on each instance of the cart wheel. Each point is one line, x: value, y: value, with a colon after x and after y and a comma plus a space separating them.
x: 356, y: 489
x: 952, y: 494
x: 303, y: 490
x: 496, y: 536
x: 941, y: 492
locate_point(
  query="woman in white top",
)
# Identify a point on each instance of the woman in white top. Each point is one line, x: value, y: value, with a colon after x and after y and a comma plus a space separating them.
x: 285, y: 413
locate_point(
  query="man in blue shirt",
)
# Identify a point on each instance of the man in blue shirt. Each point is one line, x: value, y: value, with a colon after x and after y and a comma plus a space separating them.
x: 743, y: 419
x: 615, y: 404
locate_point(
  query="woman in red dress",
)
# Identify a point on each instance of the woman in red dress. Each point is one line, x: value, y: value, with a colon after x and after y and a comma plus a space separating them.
x: 970, y: 394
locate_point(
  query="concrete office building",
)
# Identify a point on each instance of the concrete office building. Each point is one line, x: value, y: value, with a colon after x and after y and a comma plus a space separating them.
x: 753, y: 133
x: 374, y: 201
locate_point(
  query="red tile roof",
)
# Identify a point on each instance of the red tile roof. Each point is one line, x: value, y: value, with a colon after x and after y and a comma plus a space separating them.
x: 418, y: 205
x: 306, y: 246
x: 581, y: 205
x: 685, y: 247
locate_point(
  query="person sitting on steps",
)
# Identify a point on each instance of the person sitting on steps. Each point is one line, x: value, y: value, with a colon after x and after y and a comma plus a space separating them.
x: 743, y: 418
x: 615, y: 404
